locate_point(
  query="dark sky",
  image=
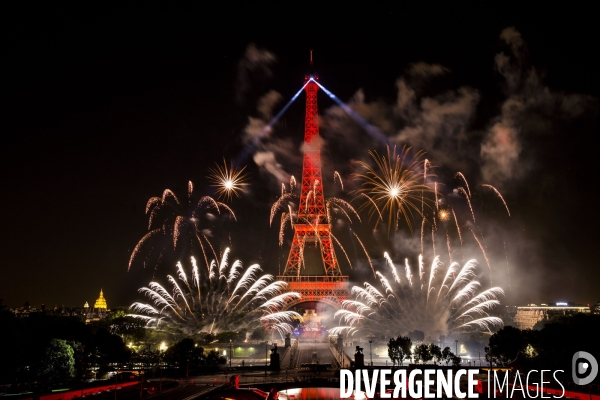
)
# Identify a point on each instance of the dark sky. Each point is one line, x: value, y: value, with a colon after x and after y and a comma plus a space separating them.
x: 104, y: 107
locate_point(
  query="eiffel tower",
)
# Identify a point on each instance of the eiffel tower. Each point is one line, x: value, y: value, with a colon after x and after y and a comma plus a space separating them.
x: 326, y: 284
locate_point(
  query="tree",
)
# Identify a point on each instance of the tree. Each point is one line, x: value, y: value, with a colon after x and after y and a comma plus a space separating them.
x: 504, y: 345
x: 147, y: 357
x: 110, y: 348
x: 214, y: 358
x: 226, y: 336
x: 447, y: 355
x: 399, y: 349
x: 456, y: 360
x: 394, y: 351
x: 422, y: 353
x: 184, y: 352
x: 205, y: 338
x: 436, y: 352
x: 58, y: 363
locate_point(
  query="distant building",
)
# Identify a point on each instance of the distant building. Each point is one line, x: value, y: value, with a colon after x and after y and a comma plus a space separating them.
x: 529, y: 315
x: 596, y: 308
x: 97, y: 313
x: 100, y: 304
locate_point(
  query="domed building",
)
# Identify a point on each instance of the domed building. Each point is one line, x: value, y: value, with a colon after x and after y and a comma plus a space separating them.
x: 100, y: 304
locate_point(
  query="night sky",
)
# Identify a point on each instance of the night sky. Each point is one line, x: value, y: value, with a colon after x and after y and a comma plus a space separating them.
x: 106, y: 107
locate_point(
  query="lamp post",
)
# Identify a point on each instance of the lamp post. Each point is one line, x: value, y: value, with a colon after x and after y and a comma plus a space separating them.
x: 230, y: 344
x: 266, y: 356
x: 142, y: 384
x: 456, y: 342
x: 370, y: 337
x: 479, y: 356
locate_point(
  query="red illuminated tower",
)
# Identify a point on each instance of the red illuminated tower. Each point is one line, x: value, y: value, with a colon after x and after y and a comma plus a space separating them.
x: 311, y: 227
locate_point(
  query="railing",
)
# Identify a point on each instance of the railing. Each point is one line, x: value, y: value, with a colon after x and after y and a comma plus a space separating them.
x: 313, y: 278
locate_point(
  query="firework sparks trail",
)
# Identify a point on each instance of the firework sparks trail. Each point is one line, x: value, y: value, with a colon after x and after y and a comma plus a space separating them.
x: 462, y: 190
x: 435, y: 265
x: 292, y: 183
x: 392, y: 267
x: 365, y: 250
x: 341, y: 247
x: 507, y: 269
x: 373, y: 204
x: 285, y: 217
x: 437, y: 202
x: 449, y: 246
x: 278, y: 302
x: 229, y: 299
x: 212, y: 249
x: 499, y: 195
x: 394, y: 185
x: 337, y: 175
x: 139, y: 245
x: 433, y: 239
x: 280, y: 203
x: 404, y: 307
x: 152, y: 201
x: 484, y: 254
x: 169, y: 193
x: 423, y: 235
x: 342, y: 203
x: 177, y: 220
x: 425, y: 163
x: 408, y: 272
x: 328, y: 209
x: 459, y: 174
x: 457, y: 227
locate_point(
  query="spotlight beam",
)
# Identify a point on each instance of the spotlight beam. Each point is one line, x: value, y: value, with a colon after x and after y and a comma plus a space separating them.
x: 251, y: 147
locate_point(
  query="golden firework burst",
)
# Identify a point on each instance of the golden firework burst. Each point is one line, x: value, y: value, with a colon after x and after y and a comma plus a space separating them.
x: 394, y: 187
x: 229, y: 180
x: 443, y: 215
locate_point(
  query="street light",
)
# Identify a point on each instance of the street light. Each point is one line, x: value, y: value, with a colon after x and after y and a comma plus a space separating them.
x: 456, y: 341
x: 266, y: 356
x: 229, y: 354
x: 370, y: 337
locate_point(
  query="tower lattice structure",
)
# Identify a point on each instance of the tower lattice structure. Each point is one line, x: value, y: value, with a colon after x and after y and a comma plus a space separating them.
x: 312, y: 227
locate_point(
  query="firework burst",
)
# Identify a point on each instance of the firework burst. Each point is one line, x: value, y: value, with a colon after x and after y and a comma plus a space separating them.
x: 437, y: 303
x: 395, y: 186
x: 172, y: 219
x: 229, y: 181
x: 224, y: 298
x: 461, y: 205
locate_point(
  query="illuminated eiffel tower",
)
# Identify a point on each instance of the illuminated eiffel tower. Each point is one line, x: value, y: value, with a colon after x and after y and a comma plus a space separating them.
x: 311, y: 227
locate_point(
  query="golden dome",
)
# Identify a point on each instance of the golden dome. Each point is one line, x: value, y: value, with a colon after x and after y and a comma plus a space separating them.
x: 101, y: 302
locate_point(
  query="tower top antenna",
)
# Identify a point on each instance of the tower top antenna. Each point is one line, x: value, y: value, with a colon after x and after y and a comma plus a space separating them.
x: 311, y: 59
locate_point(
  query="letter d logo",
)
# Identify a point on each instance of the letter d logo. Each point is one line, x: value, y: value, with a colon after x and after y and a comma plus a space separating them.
x: 584, y: 367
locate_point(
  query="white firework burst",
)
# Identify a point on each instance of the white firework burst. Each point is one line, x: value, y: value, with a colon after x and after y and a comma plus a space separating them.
x: 228, y: 296
x: 438, y: 304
